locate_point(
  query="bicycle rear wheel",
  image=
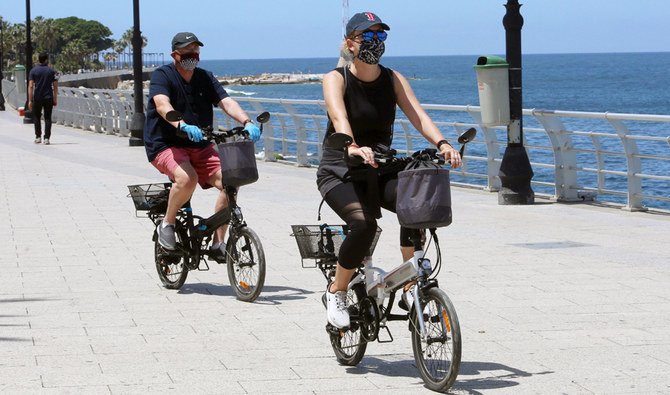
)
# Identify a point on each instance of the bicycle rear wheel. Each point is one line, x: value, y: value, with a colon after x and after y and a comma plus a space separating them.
x: 438, y: 357
x: 349, y: 345
x: 246, y: 263
x: 171, y: 265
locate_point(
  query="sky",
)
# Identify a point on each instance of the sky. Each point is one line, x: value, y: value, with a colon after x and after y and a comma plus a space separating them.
x: 259, y: 29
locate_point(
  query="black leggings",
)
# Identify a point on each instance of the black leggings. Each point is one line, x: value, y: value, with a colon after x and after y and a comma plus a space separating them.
x: 348, y: 200
x: 47, y: 105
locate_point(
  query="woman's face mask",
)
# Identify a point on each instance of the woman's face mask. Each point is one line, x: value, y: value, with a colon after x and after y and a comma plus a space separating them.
x: 371, y: 52
x: 189, y: 60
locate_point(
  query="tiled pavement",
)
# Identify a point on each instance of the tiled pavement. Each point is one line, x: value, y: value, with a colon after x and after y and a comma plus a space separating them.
x: 552, y: 298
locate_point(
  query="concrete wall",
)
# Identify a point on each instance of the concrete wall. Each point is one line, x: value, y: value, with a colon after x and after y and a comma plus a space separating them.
x: 101, y: 79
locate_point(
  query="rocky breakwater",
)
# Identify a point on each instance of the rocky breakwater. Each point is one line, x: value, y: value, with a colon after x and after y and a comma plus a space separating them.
x: 261, y: 79
x: 273, y: 78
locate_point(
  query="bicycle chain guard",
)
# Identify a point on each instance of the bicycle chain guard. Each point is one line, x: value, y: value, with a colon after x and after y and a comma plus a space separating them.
x: 369, y: 314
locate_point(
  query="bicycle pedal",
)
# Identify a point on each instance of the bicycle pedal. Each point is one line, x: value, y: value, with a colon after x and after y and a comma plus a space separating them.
x: 216, y: 255
x: 332, y: 330
x: 388, y: 331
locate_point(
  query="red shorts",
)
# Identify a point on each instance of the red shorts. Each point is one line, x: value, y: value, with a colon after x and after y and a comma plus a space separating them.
x: 205, y: 161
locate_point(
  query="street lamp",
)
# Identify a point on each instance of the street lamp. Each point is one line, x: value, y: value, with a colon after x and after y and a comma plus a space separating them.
x: 137, y: 122
x: 28, y: 115
x: 515, y: 170
x: 2, y: 64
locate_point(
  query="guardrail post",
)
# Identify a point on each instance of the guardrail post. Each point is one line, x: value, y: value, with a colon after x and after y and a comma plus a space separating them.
x: 268, y: 132
x: 565, y: 158
x: 301, y: 135
x: 634, y: 166
x: 493, y: 159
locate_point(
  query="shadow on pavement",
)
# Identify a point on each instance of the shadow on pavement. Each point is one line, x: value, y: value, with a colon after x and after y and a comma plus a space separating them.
x: 271, y: 294
x: 11, y: 300
x: 15, y: 339
x: 500, y: 376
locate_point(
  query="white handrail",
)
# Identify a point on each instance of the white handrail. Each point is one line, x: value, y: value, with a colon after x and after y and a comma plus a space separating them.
x: 575, y: 155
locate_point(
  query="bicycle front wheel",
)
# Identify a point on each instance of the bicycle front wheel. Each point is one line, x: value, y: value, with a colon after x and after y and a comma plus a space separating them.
x: 349, y: 345
x: 438, y: 356
x: 171, y: 265
x: 246, y: 263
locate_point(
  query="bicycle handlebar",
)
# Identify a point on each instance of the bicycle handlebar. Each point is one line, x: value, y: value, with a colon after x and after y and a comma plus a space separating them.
x: 218, y: 136
x: 341, y: 141
x: 391, y: 156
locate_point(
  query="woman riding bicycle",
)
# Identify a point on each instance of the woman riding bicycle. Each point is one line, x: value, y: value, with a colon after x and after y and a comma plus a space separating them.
x: 361, y: 99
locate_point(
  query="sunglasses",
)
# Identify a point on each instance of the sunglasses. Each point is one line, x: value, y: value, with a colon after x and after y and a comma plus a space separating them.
x: 369, y: 35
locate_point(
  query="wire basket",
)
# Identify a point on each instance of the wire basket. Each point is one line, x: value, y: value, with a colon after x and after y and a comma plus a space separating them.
x: 323, y: 241
x: 150, y: 197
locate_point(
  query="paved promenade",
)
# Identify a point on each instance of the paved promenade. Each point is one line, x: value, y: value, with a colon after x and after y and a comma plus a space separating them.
x: 552, y: 298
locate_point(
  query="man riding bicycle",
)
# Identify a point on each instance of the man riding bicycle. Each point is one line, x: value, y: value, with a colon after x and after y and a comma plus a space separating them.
x: 192, y: 91
x: 361, y: 99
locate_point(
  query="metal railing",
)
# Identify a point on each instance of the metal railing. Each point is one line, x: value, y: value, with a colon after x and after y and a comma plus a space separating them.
x: 576, y: 156
x: 618, y: 158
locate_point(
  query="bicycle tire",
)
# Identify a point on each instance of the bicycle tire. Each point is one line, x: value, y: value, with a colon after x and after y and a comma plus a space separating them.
x: 439, y: 357
x: 171, y: 267
x: 246, y: 263
x: 349, y: 346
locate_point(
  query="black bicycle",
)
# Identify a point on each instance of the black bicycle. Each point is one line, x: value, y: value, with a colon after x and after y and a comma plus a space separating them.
x: 244, y: 255
x: 432, y: 319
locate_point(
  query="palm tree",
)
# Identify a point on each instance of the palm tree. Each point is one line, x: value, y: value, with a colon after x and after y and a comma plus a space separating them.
x: 45, y: 34
x: 73, y: 56
x: 126, y: 42
x: 110, y: 57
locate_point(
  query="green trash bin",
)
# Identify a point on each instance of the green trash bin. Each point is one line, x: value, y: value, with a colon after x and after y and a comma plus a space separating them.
x: 493, y: 86
x: 20, y: 79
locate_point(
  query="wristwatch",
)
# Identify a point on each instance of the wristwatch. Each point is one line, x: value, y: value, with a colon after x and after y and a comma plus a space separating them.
x: 441, y: 142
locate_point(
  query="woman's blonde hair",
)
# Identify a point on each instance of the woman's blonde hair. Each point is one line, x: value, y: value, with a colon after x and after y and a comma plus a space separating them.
x: 346, y: 56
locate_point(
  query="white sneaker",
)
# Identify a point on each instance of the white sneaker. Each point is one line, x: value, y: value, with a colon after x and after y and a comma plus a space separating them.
x: 46, y: 142
x: 338, y: 316
x: 38, y: 140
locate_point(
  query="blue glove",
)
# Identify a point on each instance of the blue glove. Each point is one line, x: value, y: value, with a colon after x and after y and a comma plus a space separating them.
x: 254, y: 131
x: 194, y: 133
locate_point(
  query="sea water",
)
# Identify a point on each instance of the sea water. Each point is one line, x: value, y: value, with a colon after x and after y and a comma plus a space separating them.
x: 636, y: 83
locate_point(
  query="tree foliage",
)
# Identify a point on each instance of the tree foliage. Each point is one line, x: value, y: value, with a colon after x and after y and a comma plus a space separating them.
x: 72, y: 42
x: 93, y: 34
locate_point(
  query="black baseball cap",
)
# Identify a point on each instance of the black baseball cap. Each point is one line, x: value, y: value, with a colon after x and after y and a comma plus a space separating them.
x: 363, y: 20
x: 183, y: 39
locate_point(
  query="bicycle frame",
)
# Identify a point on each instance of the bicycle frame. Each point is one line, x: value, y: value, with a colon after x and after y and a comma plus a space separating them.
x: 381, y: 285
x: 205, y: 227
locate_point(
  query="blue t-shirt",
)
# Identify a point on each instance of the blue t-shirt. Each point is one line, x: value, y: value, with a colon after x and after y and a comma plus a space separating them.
x: 43, y: 78
x: 195, y: 100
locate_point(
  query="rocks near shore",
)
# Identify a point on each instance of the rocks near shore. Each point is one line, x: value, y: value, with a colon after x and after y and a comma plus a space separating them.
x: 261, y: 79
x: 273, y: 78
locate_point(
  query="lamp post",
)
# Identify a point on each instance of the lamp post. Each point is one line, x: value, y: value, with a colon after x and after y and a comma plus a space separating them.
x: 28, y: 115
x: 515, y: 170
x: 2, y: 64
x: 137, y: 122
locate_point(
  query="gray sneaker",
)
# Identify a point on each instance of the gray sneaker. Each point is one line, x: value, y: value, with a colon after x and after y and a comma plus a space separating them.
x: 166, y: 236
x: 46, y: 142
x: 38, y: 140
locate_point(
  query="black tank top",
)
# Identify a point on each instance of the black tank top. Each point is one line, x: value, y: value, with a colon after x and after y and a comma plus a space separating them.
x: 370, y: 107
x: 371, y: 111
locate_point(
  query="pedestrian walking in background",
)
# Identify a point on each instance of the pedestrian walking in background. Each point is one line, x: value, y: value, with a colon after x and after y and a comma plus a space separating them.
x: 42, y: 95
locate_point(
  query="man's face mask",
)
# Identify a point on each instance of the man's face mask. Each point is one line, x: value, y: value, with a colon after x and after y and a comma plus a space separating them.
x: 189, y: 60
x: 371, y: 51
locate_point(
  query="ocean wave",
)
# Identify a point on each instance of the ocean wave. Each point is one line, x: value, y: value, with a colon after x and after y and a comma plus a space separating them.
x: 234, y: 92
